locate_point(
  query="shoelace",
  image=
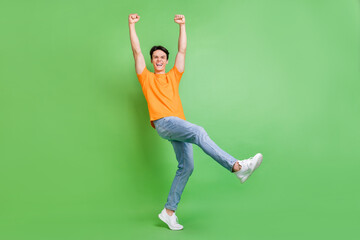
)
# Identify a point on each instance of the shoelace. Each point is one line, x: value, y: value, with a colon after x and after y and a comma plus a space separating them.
x: 176, y: 219
x: 250, y: 161
x: 246, y: 163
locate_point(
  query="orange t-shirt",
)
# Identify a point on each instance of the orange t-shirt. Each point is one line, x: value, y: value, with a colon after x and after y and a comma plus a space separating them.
x: 162, y: 93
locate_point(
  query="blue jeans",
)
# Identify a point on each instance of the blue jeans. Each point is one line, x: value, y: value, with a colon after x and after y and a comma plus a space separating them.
x: 182, y: 134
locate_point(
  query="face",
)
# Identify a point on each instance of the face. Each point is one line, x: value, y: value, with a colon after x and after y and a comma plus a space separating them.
x: 159, y: 60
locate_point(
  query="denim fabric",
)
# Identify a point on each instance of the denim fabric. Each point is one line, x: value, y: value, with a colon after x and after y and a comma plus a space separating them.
x: 182, y: 134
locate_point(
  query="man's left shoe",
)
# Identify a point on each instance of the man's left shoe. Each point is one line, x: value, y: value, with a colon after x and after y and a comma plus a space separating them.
x: 248, y: 166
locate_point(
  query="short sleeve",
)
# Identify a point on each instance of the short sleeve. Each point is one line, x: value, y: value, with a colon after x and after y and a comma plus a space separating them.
x: 143, y: 76
x: 178, y: 74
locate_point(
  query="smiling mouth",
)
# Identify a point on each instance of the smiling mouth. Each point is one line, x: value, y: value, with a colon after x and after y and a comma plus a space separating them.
x: 159, y: 65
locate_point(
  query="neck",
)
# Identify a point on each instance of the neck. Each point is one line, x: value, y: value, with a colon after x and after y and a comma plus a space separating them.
x: 159, y: 72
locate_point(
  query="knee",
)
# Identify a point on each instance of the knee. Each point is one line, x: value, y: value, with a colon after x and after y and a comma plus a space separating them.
x: 200, y: 133
x: 189, y: 169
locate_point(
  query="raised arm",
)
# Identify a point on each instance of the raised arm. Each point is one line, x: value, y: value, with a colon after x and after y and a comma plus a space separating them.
x: 180, y: 56
x: 135, y: 44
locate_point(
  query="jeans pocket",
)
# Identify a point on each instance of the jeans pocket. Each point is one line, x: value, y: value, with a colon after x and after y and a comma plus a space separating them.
x: 163, y: 133
x: 168, y: 122
x: 163, y: 127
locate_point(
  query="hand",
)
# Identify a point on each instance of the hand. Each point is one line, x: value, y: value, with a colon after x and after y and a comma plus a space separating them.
x: 180, y: 19
x: 134, y: 18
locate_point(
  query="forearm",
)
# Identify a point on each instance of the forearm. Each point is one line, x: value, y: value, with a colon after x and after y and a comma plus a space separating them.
x: 182, y: 39
x: 135, y: 44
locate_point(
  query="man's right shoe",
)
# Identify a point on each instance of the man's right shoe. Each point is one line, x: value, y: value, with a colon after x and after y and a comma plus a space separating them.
x: 171, y: 221
x: 248, y: 166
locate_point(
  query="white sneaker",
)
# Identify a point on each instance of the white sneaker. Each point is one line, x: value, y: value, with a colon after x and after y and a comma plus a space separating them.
x: 248, y: 166
x: 171, y: 221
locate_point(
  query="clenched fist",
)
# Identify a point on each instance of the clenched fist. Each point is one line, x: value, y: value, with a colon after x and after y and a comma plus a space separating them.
x: 180, y: 19
x: 134, y: 18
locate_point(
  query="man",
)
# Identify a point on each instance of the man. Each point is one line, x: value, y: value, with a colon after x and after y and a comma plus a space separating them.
x: 161, y: 91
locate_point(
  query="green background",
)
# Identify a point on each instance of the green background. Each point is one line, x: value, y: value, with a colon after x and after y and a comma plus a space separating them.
x: 79, y: 159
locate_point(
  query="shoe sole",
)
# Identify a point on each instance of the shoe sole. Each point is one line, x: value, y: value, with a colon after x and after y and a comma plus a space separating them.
x: 258, y: 163
x: 162, y: 219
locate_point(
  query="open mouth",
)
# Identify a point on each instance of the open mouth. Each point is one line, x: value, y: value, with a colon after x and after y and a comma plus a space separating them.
x: 159, y: 64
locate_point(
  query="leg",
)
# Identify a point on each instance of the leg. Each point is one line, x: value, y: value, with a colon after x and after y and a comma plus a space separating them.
x: 174, y: 128
x: 184, y: 156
